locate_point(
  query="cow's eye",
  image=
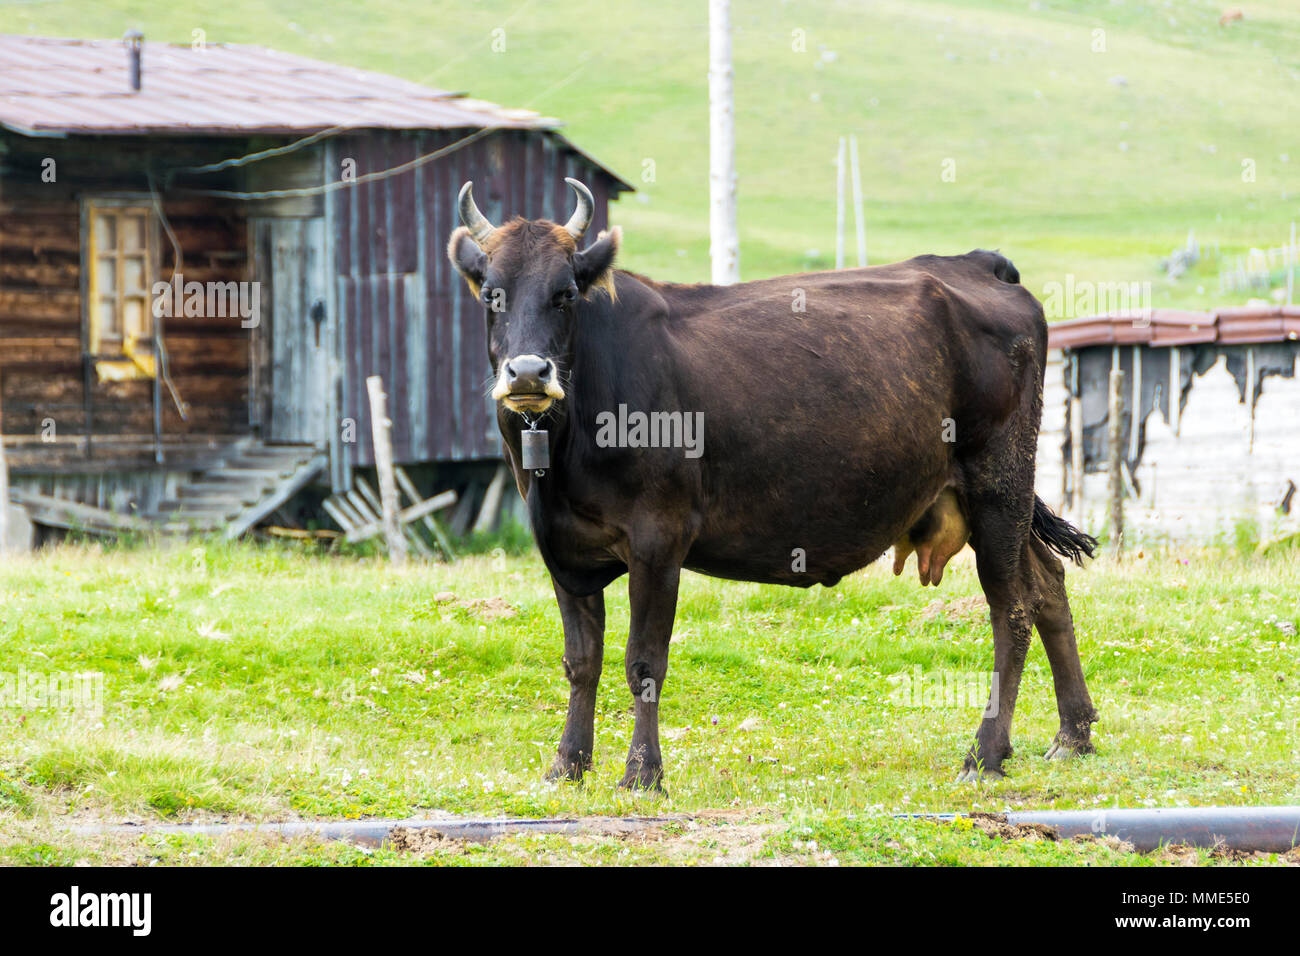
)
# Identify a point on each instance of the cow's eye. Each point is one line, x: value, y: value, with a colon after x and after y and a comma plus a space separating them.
x: 566, y: 296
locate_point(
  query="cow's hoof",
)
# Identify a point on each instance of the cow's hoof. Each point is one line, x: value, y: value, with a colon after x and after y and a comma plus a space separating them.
x: 1064, y: 749
x: 976, y: 775
x: 565, y: 770
x: 650, y: 779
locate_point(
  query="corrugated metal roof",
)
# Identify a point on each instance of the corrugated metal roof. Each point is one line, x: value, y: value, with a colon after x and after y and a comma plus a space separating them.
x: 52, y: 86
x: 1238, y: 325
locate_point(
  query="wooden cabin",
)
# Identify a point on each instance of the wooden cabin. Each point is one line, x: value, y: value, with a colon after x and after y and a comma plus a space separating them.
x: 1210, y: 430
x: 204, y: 252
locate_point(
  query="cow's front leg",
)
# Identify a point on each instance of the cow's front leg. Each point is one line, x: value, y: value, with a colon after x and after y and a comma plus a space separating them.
x: 652, y: 592
x: 584, y: 648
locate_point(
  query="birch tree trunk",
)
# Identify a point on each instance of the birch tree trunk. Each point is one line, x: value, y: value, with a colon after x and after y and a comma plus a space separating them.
x: 724, y: 246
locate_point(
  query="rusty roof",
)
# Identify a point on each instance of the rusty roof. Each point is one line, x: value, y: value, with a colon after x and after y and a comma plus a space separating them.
x: 1236, y: 325
x: 51, y: 86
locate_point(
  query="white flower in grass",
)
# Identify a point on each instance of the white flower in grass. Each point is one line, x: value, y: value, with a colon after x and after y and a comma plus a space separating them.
x: 209, y: 630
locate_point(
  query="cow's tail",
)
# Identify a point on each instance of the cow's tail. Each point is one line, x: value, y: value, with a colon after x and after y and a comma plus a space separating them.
x: 1059, y: 535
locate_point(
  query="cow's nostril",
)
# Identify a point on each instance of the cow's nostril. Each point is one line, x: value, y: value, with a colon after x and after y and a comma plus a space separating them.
x: 548, y: 371
x: 510, y: 372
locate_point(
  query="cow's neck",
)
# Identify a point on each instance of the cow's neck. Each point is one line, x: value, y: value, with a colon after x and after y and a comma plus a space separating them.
x: 609, y: 340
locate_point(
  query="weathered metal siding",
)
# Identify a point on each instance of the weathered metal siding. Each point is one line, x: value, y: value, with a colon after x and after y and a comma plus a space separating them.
x: 1226, y: 452
x: 403, y: 313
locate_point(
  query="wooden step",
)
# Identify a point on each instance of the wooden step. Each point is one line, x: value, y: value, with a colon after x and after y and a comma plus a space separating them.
x: 247, y: 492
x: 244, y: 474
x: 277, y: 451
x: 268, y: 460
x: 186, y: 527
x: 224, y: 507
x: 284, y: 490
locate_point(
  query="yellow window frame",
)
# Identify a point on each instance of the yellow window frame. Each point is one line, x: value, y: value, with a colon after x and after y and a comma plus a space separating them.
x: 130, y: 225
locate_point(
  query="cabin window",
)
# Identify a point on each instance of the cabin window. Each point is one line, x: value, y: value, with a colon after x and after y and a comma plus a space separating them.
x: 121, y: 251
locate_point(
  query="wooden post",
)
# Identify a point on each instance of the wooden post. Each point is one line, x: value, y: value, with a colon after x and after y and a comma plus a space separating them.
x: 724, y: 243
x: 1136, y: 407
x: 383, y: 437
x: 487, y: 514
x: 4, y: 499
x: 1115, y: 451
x: 1250, y: 397
x: 840, y: 169
x: 404, y: 482
x: 859, y: 215
x: 1076, y: 442
x: 1175, y: 391
x: 1290, y: 272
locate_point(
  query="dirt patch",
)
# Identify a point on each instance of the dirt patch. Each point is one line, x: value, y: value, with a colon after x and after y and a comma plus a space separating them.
x: 1108, y: 841
x: 425, y: 839
x: 489, y: 609
x: 1177, y: 855
x: 973, y: 608
x: 996, y: 825
x: 421, y: 840
x: 731, y: 844
x: 486, y: 609
x: 1290, y: 858
x: 717, y: 837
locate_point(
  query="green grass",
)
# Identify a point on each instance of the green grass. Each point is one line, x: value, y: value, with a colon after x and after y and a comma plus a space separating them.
x: 1063, y: 169
x: 252, y: 682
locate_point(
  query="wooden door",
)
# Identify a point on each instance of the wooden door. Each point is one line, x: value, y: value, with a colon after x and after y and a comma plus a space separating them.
x: 290, y: 355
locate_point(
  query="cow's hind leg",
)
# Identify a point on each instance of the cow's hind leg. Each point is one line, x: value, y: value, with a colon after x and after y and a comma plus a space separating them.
x: 999, y: 498
x: 584, y: 646
x: 1056, y: 628
x: 1000, y: 537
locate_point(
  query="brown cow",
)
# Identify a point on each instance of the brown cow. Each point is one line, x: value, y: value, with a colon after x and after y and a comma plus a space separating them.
x: 899, y: 407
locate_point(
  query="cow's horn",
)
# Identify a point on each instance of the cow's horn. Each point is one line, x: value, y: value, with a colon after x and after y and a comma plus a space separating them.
x: 581, y: 218
x: 477, y: 223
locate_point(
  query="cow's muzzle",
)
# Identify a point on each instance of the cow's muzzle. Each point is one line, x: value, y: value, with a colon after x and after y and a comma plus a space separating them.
x: 528, y: 383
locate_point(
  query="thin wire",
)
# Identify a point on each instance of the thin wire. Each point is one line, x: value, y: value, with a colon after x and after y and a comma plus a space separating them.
x: 178, y: 255
x: 470, y: 52
x: 338, y: 127
x: 346, y: 183
x: 261, y: 154
x: 367, y: 177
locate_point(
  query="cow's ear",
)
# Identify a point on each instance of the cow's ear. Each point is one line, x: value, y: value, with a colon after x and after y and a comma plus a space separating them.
x: 593, y: 267
x: 469, y: 260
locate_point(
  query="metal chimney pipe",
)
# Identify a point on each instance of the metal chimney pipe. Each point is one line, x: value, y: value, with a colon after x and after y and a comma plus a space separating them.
x: 134, y: 45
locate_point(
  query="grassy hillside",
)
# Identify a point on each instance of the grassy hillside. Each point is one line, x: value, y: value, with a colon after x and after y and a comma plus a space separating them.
x: 1070, y: 159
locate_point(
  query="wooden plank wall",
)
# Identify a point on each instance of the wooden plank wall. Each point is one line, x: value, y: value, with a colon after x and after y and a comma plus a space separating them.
x: 41, y: 370
x: 404, y: 313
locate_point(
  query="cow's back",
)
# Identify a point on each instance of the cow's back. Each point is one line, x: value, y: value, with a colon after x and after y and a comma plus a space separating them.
x: 825, y: 399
